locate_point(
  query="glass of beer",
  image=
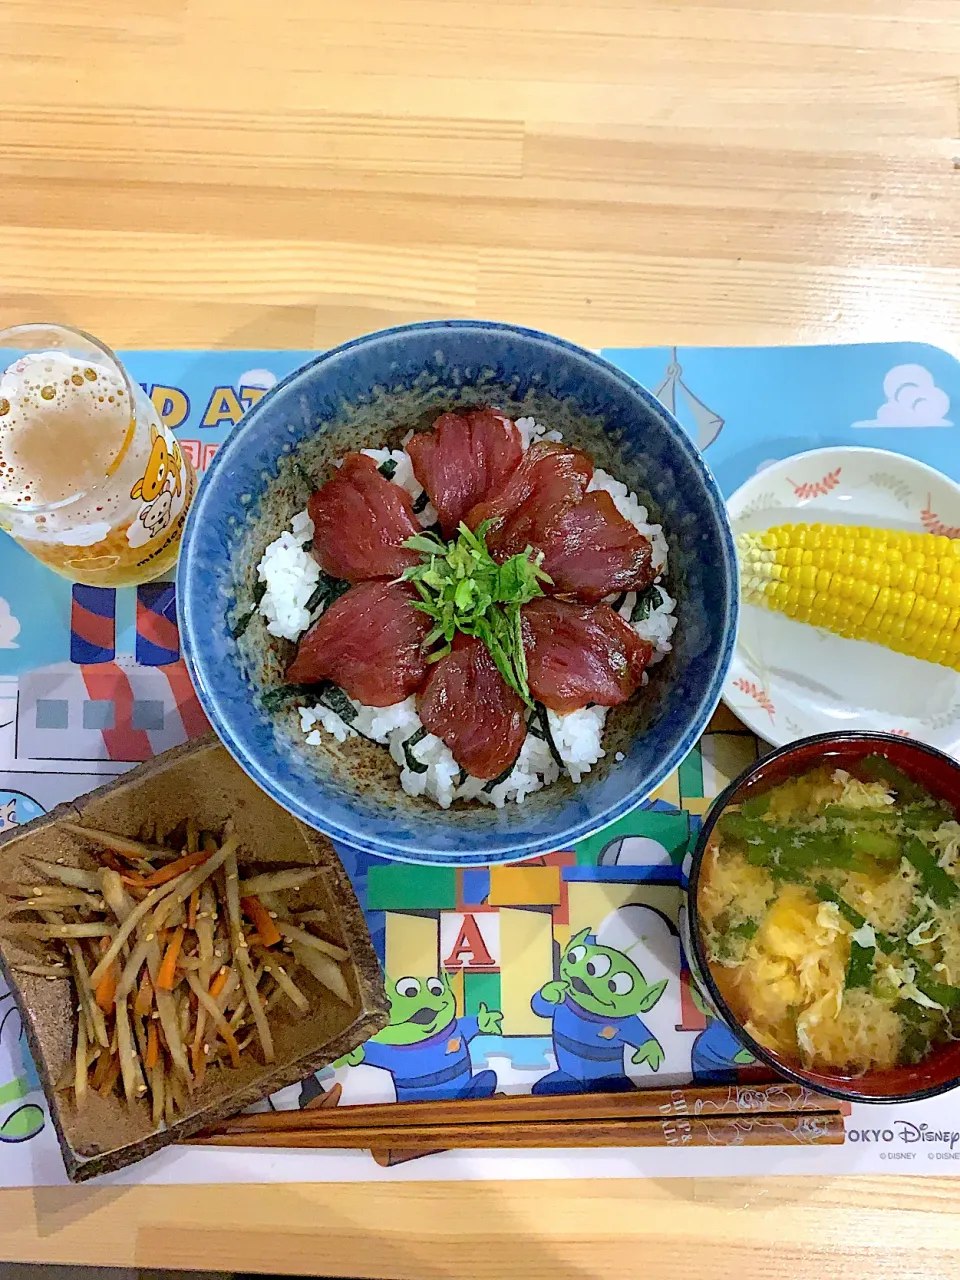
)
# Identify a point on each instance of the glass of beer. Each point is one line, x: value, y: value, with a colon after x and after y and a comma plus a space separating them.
x: 91, y: 481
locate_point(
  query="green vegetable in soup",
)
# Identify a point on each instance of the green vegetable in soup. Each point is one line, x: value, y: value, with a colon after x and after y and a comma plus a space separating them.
x: 879, y: 769
x: 941, y: 887
x: 860, y: 965
x: 755, y: 806
x: 919, y: 1027
x: 876, y: 844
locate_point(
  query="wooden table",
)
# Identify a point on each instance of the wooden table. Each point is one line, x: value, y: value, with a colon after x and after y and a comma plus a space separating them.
x: 237, y: 174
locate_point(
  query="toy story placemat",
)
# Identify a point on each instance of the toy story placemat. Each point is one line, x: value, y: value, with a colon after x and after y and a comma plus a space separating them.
x: 91, y: 682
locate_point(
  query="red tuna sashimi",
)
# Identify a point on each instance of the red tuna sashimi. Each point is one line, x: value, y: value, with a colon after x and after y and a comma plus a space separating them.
x: 369, y: 642
x: 468, y: 705
x: 578, y: 654
x: 466, y: 458
x: 360, y: 522
x: 550, y: 478
x: 592, y: 551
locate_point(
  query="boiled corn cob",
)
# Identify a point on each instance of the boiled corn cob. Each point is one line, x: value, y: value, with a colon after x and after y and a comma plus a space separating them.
x: 901, y: 590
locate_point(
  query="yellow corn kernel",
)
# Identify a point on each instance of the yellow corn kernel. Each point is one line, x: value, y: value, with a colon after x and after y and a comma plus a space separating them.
x: 902, y: 576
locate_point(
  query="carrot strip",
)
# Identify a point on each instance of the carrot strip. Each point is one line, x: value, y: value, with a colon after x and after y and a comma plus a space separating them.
x: 107, y: 989
x: 192, y: 910
x: 153, y: 1046
x: 168, y: 967
x: 207, y: 1002
x: 219, y: 982
x: 174, y: 869
x: 266, y: 928
x: 198, y: 1060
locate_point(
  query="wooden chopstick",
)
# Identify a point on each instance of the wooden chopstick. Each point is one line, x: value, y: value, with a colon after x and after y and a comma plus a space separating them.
x: 526, y: 1108
x: 769, y: 1129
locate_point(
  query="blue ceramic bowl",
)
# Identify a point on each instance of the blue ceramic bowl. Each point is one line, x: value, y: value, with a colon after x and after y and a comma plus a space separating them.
x: 366, y: 393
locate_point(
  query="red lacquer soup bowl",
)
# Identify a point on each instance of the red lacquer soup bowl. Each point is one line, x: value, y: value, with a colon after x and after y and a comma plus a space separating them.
x: 938, y: 774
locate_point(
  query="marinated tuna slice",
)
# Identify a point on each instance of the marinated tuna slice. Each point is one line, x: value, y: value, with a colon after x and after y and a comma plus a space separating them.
x: 466, y: 458
x: 592, y: 551
x: 369, y: 642
x: 577, y: 654
x: 550, y: 478
x: 468, y: 705
x: 361, y: 521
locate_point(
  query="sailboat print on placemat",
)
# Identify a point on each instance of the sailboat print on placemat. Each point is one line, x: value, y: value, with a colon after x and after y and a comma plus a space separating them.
x: 707, y: 425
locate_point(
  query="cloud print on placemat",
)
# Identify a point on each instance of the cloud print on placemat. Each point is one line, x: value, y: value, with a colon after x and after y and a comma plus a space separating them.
x: 9, y: 627
x: 913, y: 400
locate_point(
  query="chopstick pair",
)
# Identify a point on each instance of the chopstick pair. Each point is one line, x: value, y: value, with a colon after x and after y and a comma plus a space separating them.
x: 760, y: 1115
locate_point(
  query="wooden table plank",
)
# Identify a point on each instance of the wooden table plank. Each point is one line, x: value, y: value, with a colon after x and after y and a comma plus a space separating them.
x: 888, y: 1228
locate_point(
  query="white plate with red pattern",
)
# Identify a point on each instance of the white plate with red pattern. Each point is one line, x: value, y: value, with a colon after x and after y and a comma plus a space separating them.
x: 789, y: 679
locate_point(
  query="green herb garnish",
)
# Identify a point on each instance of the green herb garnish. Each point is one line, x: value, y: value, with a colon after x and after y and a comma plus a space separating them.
x: 388, y: 469
x: 462, y: 588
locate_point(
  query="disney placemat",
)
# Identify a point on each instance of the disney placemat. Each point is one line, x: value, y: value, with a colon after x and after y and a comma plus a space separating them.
x: 91, y: 681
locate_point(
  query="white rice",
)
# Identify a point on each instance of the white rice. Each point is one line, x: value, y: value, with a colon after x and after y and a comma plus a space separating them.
x: 404, y: 477
x: 291, y: 574
x: 533, y: 433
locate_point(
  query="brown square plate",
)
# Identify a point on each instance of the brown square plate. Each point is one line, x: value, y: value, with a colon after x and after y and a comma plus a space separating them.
x: 199, y: 781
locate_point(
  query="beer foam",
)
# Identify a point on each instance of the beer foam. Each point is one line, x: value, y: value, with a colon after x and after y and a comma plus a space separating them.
x: 62, y: 423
